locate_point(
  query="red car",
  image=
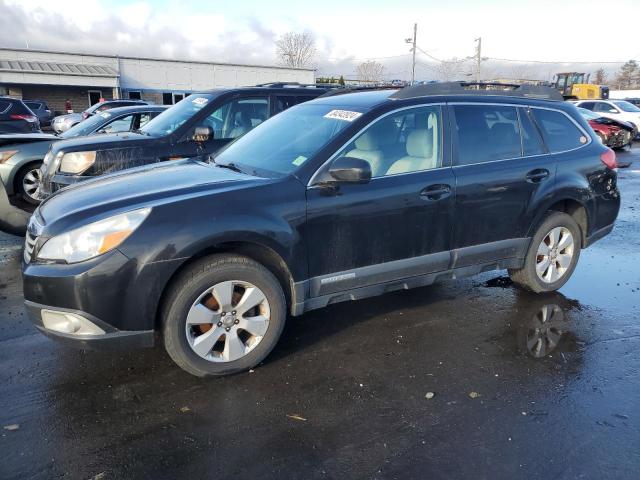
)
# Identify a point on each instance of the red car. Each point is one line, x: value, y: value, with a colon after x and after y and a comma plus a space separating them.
x: 613, y: 134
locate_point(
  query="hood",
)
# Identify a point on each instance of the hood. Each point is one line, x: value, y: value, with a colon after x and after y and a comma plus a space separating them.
x: 101, y: 141
x: 603, y: 126
x: 20, y: 138
x: 61, y: 118
x: 150, y: 185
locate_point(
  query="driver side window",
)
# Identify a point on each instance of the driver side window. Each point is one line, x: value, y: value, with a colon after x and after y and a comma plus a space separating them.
x: 604, y: 107
x: 122, y: 124
x: 236, y: 117
x: 403, y: 142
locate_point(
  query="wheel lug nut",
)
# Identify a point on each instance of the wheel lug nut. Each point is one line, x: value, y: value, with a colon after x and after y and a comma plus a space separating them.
x: 219, y: 324
x: 237, y: 321
x: 223, y: 313
x: 228, y: 328
x: 233, y: 313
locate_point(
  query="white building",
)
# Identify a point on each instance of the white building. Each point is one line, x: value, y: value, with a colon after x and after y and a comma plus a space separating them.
x: 622, y: 94
x: 84, y: 79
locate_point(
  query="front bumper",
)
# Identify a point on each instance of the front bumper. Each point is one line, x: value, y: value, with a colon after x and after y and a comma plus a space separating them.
x: 111, y: 338
x: 12, y: 219
x: 119, y: 294
x: 51, y: 185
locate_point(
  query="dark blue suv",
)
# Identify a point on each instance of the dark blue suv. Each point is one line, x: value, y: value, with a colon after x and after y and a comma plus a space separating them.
x: 341, y: 198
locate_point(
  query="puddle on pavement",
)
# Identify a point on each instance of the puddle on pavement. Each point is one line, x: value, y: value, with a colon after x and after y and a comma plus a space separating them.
x: 607, y: 281
x: 542, y: 323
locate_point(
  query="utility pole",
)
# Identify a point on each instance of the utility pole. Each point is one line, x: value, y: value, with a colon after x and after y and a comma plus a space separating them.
x: 413, y: 41
x: 478, y: 58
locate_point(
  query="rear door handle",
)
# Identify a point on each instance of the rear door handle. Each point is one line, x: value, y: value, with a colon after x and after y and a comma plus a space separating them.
x: 537, y: 175
x: 435, y: 192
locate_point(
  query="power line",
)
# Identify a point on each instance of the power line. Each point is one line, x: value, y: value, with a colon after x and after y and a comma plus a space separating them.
x: 341, y: 59
x: 555, y: 61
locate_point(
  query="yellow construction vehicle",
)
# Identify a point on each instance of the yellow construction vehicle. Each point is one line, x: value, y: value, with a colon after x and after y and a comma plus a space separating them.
x: 573, y: 86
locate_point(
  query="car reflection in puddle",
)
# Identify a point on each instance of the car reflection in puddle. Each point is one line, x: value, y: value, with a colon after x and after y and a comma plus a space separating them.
x: 543, y: 323
x: 542, y: 333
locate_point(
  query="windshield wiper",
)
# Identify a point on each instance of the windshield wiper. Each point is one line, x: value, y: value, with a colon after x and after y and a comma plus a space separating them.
x: 231, y: 166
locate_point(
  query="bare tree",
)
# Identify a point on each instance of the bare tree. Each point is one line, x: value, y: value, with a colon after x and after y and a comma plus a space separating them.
x: 600, y: 77
x: 296, y: 50
x: 521, y: 72
x: 449, y: 70
x: 370, y: 71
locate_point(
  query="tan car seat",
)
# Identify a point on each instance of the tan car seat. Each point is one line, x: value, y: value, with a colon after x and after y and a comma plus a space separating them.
x: 422, y: 150
x: 367, y: 148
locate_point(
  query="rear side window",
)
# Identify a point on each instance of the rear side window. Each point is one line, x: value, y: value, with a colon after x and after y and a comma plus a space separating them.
x: 487, y: 133
x: 531, y: 140
x: 284, y: 102
x: 604, y: 107
x: 559, y: 133
x: 33, y: 105
x: 4, y: 106
x: 588, y: 105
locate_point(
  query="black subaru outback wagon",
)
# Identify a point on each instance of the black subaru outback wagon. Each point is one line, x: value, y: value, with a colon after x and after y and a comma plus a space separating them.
x: 340, y: 198
x: 217, y: 116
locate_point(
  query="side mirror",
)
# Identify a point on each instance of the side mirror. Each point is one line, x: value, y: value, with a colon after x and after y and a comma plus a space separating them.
x: 350, y: 170
x: 202, y: 134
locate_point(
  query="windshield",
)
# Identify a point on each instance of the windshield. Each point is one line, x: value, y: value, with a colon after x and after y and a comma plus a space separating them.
x: 626, y: 106
x: 87, y: 126
x: 588, y: 114
x: 170, y: 120
x: 283, y: 143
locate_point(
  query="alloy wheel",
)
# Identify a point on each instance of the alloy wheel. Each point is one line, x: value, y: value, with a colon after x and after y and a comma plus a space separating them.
x: 554, y: 255
x: 30, y: 183
x: 227, y: 321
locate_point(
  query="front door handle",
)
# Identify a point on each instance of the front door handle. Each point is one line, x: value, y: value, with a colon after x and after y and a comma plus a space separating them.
x: 435, y: 192
x: 537, y: 175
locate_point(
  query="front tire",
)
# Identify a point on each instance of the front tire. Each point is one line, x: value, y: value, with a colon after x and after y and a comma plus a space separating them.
x: 223, y: 315
x: 27, y: 182
x: 552, y: 256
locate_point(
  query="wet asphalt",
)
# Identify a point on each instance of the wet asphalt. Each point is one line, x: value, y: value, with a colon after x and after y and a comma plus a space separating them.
x: 344, y: 394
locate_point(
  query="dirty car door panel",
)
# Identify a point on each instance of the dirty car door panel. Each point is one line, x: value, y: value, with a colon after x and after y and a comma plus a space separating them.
x: 398, y: 225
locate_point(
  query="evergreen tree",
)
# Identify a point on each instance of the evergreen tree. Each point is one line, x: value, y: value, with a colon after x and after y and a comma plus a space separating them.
x: 627, y: 77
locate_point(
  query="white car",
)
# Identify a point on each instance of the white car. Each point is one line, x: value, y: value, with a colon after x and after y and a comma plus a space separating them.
x: 615, y: 109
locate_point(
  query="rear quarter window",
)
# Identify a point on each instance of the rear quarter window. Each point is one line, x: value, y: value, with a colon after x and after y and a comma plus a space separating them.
x: 558, y: 131
x: 33, y: 105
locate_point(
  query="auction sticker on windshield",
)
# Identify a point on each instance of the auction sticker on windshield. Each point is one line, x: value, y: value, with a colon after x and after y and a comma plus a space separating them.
x: 345, y: 115
x: 200, y: 101
x: 105, y: 114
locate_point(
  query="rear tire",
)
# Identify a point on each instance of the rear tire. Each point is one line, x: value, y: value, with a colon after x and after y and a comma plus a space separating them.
x: 210, y: 324
x: 552, y: 255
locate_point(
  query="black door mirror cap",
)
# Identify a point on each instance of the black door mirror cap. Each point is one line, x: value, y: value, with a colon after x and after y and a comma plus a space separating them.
x: 202, y: 134
x: 350, y: 170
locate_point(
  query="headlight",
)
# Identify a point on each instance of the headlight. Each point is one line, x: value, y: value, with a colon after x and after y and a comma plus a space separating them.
x: 6, y: 155
x: 77, y: 162
x: 94, y: 239
x: 47, y: 158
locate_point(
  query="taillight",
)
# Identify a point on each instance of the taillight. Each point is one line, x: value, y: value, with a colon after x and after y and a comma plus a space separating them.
x: 21, y: 116
x: 608, y: 157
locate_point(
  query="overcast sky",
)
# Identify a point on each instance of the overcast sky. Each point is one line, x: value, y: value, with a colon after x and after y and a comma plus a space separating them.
x: 347, y: 32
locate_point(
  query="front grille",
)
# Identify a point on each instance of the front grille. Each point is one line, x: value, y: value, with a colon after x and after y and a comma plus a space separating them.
x: 29, y: 247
